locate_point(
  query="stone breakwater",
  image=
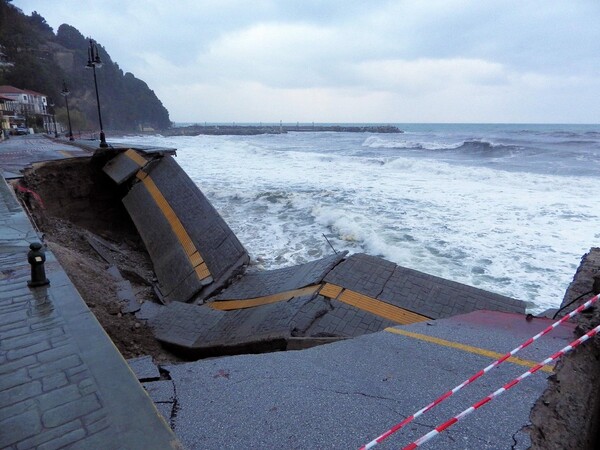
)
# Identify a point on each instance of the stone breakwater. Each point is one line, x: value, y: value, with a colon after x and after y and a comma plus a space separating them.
x: 241, y: 130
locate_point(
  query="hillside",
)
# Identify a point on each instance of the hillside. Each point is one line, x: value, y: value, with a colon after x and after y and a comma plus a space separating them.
x: 41, y: 59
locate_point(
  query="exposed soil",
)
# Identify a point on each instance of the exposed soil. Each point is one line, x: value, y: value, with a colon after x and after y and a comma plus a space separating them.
x: 80, y: 203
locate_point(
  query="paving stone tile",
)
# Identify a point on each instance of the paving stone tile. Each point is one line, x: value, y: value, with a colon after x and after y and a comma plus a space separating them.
x: 144, y: 368
x: 70, y: 411
x: 19, y: 427
x: 49, y: 435
x: 20, y: 392
x: 63, y: 441
x: 49, y: 368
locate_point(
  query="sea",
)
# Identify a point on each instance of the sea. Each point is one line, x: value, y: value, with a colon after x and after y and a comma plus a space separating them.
x: 508, y: 208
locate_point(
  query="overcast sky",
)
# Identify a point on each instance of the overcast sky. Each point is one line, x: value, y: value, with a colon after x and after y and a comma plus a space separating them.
x: 397, y: 61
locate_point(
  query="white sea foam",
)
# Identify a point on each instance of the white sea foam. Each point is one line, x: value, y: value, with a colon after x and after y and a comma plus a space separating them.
x: 516, y: 233
x: 379, y: 142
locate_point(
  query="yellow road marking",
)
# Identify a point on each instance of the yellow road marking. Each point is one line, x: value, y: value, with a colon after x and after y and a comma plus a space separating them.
x: 182, y: 235
x: 331, y: 290
x: 65, y: 153
x: 379, y: 308
x: 136, y: 157
x: 227, y: 305
x: 467, y: 348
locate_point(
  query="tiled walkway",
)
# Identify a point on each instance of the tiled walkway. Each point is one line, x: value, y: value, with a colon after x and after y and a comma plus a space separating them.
x: 62, y: 381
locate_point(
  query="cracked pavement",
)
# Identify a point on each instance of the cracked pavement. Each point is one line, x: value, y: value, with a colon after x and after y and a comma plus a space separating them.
x: 343, y: 395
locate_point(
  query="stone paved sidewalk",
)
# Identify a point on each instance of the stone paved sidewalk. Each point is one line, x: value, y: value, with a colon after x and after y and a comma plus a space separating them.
x: 62, y: 381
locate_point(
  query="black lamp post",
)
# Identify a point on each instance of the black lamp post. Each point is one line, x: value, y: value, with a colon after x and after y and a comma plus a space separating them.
x: 65, y: 93
x: 93, y: 62
x: 54, y: 119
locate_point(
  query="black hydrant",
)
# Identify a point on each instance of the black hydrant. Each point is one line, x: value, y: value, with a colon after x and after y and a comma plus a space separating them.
x: 37, y: 258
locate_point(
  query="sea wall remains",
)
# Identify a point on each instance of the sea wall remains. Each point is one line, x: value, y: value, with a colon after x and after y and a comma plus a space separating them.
x: 567, y: 415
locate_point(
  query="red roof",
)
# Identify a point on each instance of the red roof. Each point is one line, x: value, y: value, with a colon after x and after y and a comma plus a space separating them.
x: 2, y: 97
x: 10, y: 90
x: 13, y: 90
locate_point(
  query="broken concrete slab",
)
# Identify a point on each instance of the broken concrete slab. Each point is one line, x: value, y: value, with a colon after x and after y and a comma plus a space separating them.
x: 415, y: 291
x: 144, y: 368
x: 162, y: 391
x: 203, y: 330
x: 362, y: 273
x: 193, y: 250
x: 124, y: 166
x: 304, y: 321
x: 265, y: 283
x: 148, y: 310
x: 343, y: 320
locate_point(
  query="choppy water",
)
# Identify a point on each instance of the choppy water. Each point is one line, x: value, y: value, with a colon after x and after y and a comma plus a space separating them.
x: 507, y: 208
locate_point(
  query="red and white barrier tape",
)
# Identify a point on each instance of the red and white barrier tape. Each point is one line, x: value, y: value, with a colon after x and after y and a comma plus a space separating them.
x: 437, y: 430
x: 34, y: 194
x: 482, y: 372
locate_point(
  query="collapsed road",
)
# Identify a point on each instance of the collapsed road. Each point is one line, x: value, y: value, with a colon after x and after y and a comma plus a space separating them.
x: 219, y: 305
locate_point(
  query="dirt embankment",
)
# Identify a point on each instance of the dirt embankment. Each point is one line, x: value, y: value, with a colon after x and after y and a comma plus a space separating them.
x: 81, y: 205
x: 567, y: 415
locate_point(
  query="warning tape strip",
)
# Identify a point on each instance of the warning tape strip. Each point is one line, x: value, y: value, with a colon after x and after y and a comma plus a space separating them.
x: 479, y: 374
x: 437, y: 430
x: 34, y: 194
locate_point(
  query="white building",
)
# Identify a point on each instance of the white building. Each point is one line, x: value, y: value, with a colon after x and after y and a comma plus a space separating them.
x: 23, y: 107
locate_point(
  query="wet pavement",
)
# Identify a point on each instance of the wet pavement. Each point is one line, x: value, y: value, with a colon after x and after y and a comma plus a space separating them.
x: 62, y: 381
x: 343, y: 395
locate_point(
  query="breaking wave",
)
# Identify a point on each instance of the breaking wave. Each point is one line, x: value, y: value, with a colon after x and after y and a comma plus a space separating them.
x: 470, y: 146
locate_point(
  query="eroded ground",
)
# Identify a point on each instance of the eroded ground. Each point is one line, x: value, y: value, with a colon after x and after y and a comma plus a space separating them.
x: 79, y: 206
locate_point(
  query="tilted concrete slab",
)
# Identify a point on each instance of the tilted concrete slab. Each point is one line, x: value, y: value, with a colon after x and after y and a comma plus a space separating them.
x: 337, y: 299
x: 177, y: 277
x: 264, y: 283
x: 362, y: 273
x: 199, y: 330
x: 421, y: 293
x: 124, y: 166
x: 193, y: 250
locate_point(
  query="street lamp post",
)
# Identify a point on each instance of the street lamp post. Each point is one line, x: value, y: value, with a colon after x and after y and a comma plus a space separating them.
x: 65, y: 93
x: 93, y: 62
x: 54, y: 119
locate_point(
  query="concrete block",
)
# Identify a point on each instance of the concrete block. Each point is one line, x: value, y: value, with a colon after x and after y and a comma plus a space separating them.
x: 144, y: 368
x: 259, y: 284
x: 121, y: 168
x: 211, y: 237
x: 362, y: 273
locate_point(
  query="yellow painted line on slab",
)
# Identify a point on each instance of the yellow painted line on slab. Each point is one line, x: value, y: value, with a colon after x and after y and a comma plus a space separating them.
x: 379, y: 308
x: 228, y: 305
x: 466, y: 348
x: 136, y: 157
x: 331, y: 290
x: 65, y: 153
x: 194, y: 256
